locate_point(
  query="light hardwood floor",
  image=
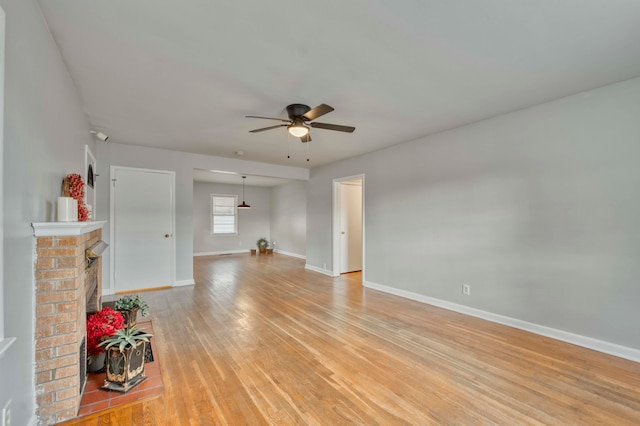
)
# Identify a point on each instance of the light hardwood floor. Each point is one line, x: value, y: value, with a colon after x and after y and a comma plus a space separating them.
x: 260, y: 340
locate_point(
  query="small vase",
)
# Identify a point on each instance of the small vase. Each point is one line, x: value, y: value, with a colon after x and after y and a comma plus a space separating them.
x: 95, y: 362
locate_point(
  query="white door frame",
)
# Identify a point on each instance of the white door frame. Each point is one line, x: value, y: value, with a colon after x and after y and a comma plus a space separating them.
x: 337, y: 206
x: 112, y: 230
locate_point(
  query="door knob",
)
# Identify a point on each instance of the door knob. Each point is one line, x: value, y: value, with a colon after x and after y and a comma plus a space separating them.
x: 167, y: 235
x: 343, y: 232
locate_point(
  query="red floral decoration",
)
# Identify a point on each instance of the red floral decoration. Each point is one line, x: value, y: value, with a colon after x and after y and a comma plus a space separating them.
x: 76, y: 191
x: 83, y: 212
x: 101, y: 325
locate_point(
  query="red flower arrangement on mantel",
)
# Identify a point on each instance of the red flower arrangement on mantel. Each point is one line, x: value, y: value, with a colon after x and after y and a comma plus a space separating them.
x: 101, y: 325
x: 73, y: 186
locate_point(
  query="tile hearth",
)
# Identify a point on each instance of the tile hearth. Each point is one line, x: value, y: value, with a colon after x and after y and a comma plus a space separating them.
x: 95, y: 399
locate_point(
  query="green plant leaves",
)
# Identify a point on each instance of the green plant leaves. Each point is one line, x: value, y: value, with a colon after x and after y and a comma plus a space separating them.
x: 125, y: 338
x: 128, y: 302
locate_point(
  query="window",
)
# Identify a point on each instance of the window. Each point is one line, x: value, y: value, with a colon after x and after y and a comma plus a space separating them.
x: 224, y: 214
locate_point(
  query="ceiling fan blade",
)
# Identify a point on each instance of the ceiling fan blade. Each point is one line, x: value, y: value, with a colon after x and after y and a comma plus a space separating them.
x: 318, y: 111
x: 327, y: 126
x: 268, y: 118
x: 268, y: 128
x: 306, y: 138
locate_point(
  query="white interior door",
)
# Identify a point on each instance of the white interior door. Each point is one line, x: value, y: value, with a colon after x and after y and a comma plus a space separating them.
x: 143, y: 218
x: 351, y: 227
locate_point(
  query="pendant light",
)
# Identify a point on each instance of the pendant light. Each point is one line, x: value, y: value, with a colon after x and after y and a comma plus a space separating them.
x: 244, y: 205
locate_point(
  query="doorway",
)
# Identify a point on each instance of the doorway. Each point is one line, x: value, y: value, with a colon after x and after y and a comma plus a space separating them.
x: 142, y: 224
x: 348, y: 225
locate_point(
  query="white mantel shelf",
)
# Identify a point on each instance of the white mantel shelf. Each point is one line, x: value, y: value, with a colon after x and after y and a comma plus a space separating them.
x: 65, y: 229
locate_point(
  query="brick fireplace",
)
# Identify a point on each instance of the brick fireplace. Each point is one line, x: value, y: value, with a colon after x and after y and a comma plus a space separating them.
x: 67, y: 286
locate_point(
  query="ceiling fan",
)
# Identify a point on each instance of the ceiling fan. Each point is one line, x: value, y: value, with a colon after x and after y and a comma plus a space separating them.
x: 301, y: 118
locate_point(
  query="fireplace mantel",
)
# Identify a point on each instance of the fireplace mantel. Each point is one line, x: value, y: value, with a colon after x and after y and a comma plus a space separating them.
x: 65, y: 229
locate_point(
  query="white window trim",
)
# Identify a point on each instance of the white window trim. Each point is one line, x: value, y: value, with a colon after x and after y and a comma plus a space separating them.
x: 235, y: 212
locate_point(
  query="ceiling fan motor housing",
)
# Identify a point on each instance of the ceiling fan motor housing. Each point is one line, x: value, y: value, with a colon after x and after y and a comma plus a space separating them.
x: 297, y: 110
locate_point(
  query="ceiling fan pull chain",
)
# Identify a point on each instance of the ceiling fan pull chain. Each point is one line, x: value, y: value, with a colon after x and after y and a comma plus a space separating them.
x: 288, y: 146
x: 308, y: 151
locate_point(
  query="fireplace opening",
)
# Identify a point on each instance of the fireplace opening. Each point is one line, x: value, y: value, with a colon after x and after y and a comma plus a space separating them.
x: 93, y: 267
x: 92, y: 296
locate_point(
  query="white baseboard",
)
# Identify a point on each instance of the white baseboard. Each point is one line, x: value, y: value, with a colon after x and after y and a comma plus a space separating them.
x: 320, y: 270
x: 182, y: 283
x: 288, y: 253
x: 564, y: 336
x: 217, y: 253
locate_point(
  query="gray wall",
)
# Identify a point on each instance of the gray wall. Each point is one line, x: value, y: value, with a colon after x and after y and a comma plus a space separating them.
x: 253, y: 223
x: 45, y: 132
x: 537, y: 210
x: 289, y: 217
x: 111, y: 153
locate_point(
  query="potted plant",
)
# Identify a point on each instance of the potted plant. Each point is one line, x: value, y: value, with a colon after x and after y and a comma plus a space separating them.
x: 125, y: 358
x: 262, y: 244
x: 129, y: 306
x: 100, y: 326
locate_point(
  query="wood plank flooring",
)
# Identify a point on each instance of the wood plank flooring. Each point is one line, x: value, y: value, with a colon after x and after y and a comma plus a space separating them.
x: 260, y: 340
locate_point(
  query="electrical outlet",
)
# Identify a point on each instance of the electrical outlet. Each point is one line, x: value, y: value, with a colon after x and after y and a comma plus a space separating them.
x: 466, y: 289
x: 6, y: 414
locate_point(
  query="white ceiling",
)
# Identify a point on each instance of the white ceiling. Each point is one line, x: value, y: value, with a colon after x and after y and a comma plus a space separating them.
x: 182, y: 75
x: 215, y: 176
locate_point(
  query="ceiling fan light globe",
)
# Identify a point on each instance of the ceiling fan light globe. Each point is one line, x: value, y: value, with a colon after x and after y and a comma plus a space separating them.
x: 298, y: 130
